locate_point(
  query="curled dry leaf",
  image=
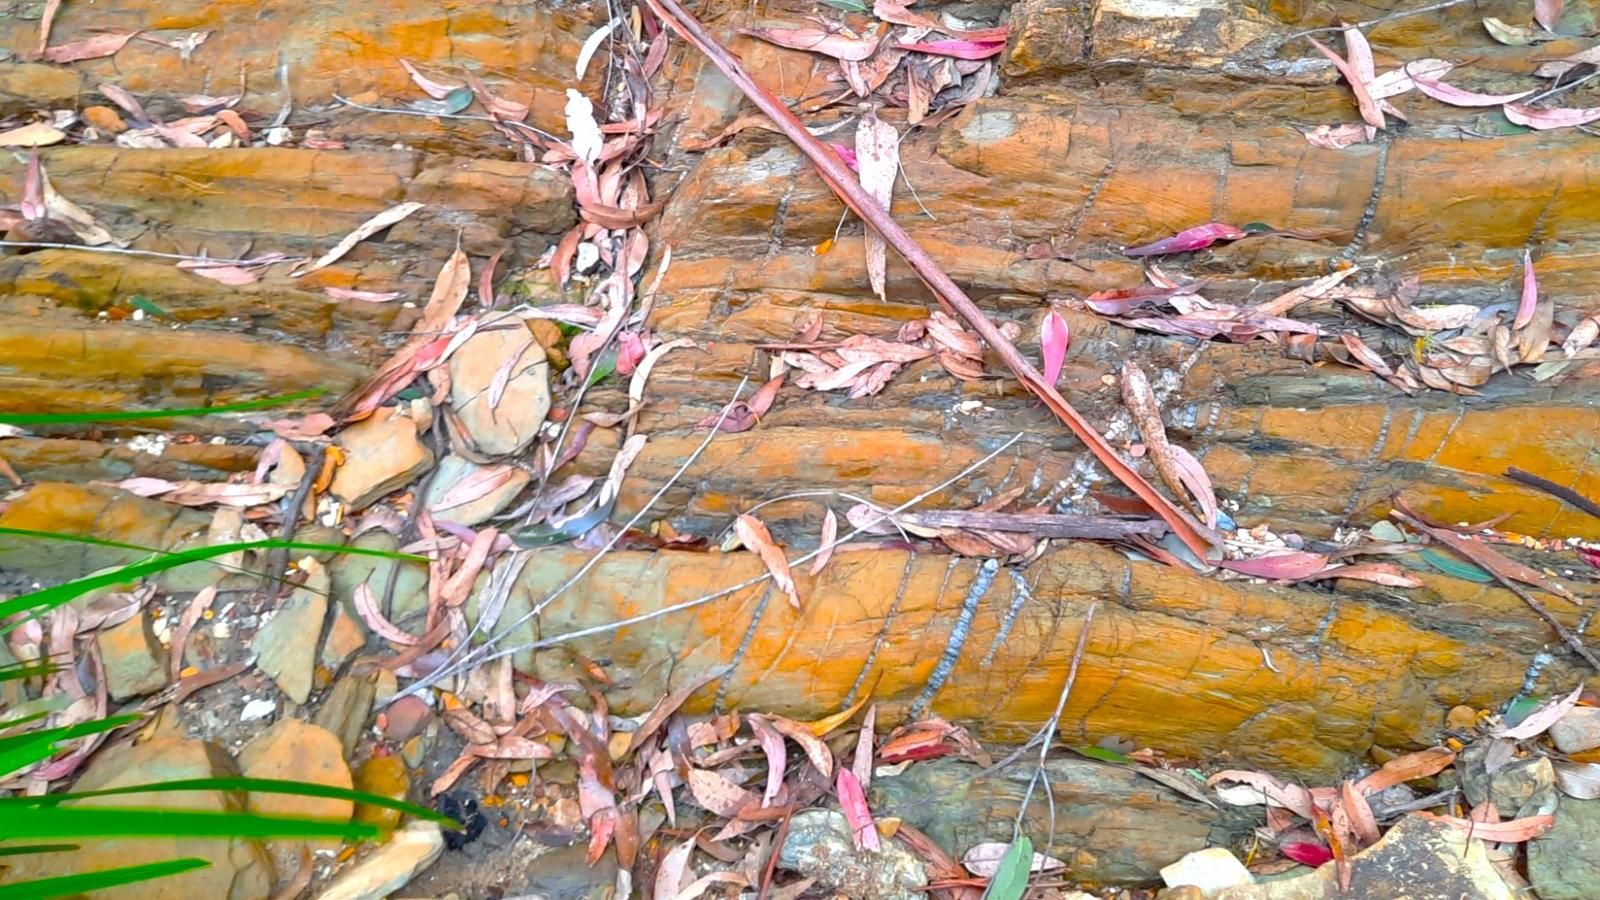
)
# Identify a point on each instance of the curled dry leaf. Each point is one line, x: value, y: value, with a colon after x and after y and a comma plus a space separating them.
x: 1530, y: 293
x: 960, y: 49
x: 1292, y: 565
x: 1054, y: 339
x: 1582, y: 335
x: 1447, y: 93
x: 1370, y: 113
x: 97, y: 47
x: 1196, y: 238
x: 853, y: 801
x: 878, y: 156
x: 754, y: 535
x: 1540, y: 720
x: 1263, y: 788
x: 674, y: 869
x: 777, y: 754
x: 716, y: 793
x: 1336, y: 137
x: 438, y: 90
x: 367, y: 608
x: 817, y: 752
x: 339, y: 293
x: 838, y: 45
x: 1515, y: 831
x: 363, y: 231
x: 1407, y: 767
x: 983, y: 860
x: 1548, y: 12
x: 830, y: 534
x: 37, y: 134
x: 1545, y: 119
x: 1398, y: 81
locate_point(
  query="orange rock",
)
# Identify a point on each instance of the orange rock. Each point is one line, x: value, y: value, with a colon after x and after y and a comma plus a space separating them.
x: 297, y: 751
x: 104, y: 118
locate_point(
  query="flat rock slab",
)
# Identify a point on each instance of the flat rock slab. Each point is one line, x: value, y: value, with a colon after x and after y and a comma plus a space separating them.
x: 286, y: 646
x: 383, y: 453
x: 500, y: 388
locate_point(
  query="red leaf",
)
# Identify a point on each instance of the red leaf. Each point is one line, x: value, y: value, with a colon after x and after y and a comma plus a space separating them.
x: 1530, y: 293
x: 854, y: 803
x: 1054, y: 339
x: 1196, y: 238
x: 834, y: 44
x: 1291, y: 565
x: 1306, y: 853
x: 958, y: 49
x: 1370, y: 113
x: 848, y: 154
x: 1544, y: 119
x: 1447, y: 93
x: 97, y: 47
x: 1592, y: 557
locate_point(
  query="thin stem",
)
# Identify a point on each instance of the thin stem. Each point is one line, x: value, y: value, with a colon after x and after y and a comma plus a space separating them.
x: 128, y: 251
x: 467, y: 117
x: 1560, y: 88
x: 1380, y: 20
x: 1048, y: 732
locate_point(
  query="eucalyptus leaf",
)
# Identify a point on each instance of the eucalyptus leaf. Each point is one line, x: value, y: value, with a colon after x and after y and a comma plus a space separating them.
x: 1455, y: 568
x: 1010, y: 881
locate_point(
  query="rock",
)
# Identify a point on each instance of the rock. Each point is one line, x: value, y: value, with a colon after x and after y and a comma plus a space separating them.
x: 1461, y: 718
x: 511, y: 424
x: 1562, y: 863
x: 404, y: 718
x: 819, y: 846
x: 391, y: 866
x: 297, y: 751
x: 453, y: 470
x: 135, y: 661
x: 382, y: 454
x: 286, y: 647
x: 239, y: 870
x: 104, y: 118
x: 1210, y: 869
x: 383, y: 776
x: 410, y: 588
x: 1524, y: 787
x: 103, y: 513
x: 1419, y: 859
x: 345, y: 637
x: 1578, y: 730
x: 345, y: 710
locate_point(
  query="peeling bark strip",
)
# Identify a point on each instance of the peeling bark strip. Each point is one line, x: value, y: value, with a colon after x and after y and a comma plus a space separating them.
x: 958, y: 636
x: 838, y: 177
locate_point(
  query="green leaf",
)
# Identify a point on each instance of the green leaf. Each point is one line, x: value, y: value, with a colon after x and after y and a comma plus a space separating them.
x: 846, y: 5
x: 78, y: 822
x: 20, y: 750
x: 457, y: 100
x: 25, y: 849
x: 83, y: 882
x: 1455, y: 568
x: 128, y: 415
x: 257, y: 785
x: 1010, y: 881
x: 1104, y: 755
x: 40, y: 602
x: 1520, y: 708
x: 141, y: 302
x: 603, y: 366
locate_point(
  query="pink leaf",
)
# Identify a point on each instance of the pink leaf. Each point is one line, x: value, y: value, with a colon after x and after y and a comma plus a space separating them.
x: 1540, y: 720
x: 1530, y: 293
x: 436, y: 89
x: 674, y: 866
x: 1548, y: 12
x: 1336, y: 137
x: 1196, y: 238
x: 777, y: 755
x: 848, y: 154
x: 854, y: 803
x: 367, y: 608
x: 339, y: 293
x: 1370, y: 113
x: 1194, y: 478
x: 1545, y: 119
x: 97, y: 47
x: 1306, y: 853
x: 233, y: 276
x: 834, y: 44
x: 878, y: 152
x: 1592, y: 557
x: 1446, y: 93
x: 1291, y: 565
x: 1054, y: 339
x: 830, y: 534
x: 958, y: 49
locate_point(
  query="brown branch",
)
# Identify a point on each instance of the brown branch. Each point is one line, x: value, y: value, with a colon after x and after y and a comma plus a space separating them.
x: 843, y: 183
x: 1555, y: 490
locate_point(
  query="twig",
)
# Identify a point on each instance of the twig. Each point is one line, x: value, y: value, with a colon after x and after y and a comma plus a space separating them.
x: 715, y: 595
x: 292, y: 506
x: 1049, y: 729
x: 1559, y: 88
x: 1380, y: 20
x: 428, y: 115
x: 128, y: 251
x: 1556, y: 490
x: 839, y: 178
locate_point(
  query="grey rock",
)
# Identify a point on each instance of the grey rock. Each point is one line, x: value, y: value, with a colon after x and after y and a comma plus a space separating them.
x: 348, y: 571
x: 511, y: 424
x: 1562, y: 863
x: 1525, y: 787
x: 819, y: 846
x: 345, y: 710
x: 286, y: 647
x: 1578, y: 730
x: 135, y: 662
x: 452, y: 471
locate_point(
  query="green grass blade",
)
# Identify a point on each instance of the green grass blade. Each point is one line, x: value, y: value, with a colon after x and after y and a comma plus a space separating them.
x: 40, y: 602
x: 25, y: 849
x: 20, y: 750
x: 80, y: 822
x: 130, y: 415
x: 257, y: 785
x: 83, y: 882
x: 20, y: 670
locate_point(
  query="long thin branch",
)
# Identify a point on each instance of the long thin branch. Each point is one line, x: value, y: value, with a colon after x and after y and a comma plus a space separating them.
x: 155, y: 254
x: 844, y: 184
x: 1380, y: 20
x: 1049, y: 729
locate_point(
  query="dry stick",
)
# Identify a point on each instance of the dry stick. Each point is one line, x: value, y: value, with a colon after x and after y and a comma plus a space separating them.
x: 703, y: 599
x: 843, y: 183
x: 1050, y: 729
x: 1380, y: 20
x: 467, y: 117
x: 126, y: 251
x: 1567, y: 637
x: 1555, y: 490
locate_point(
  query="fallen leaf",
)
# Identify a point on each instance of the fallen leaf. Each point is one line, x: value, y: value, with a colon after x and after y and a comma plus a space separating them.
x: 1548, y: 12
x: 1370, y: 113
x: 1582, y: 335
x: 339, y: 293
x: 1558, y: 67
x: 1515, y: 831
x: 1578, y: 780
x: 37, y: 134
x: 1530, y: 293
x: 743, y: 415
x: 853, y: 801
x: 97, y: 47
x: 755, y: 536
x: 832, y: 43
x: 669, y: 704
x: 1196, y: 238
x: 1290, y: 565
x: 959, y: 49
x: 824, y: 726
x: 830, y: 534
x: 878, y: 152
x: 1513, y: 35
x: 1140, y: 400
x: 587, y: 141
x: 817, y: 752
x: 475, y: 486
x: 1336, y: 137
x: 363, y: 231
x: 438, y: 90
x: 777, y: 754
x: 983, y: 860
x: 46, y: 19
x: 1010, y: 879
x: 1054, y: 339
x: 719, y: 795
x: 1398, y: 81
x: 591, y: 45
x: 1264, y: 788
x: 1306, y: 853
x: 1377, y: 573
x: 233, y: 276
x: 1488, y: 558
x: 1447, y: 93
x: 1540, y: 720
x: 122, y: 98
x: 1407, y: 767
x: 674, y: 868
x: 1545, y: 119
x: 367, y: 608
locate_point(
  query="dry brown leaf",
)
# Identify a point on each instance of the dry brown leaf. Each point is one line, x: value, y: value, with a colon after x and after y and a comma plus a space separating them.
x: 755, y: 536
x: 878, y: 155
x: 97, y: 47
x: 37, y: 134
x: 816, y: 751
x: 716, y: 793
x: 363, y: 231
x: 830, y: 533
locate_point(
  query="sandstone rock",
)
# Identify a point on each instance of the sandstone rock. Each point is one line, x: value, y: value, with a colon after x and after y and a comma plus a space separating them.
x: 345, y: 637
x: 297, y: 751
x: 344, y: 712
x: 510, y: 425
x: 104, y: 513
x: 391, y: 866
x: 136, y: 663
x: 1524, y: 787
x: 104, y: 118
x: 411, y: 582
x: 286, y: 646
x: 819, y: 846
x: 453, y: 470
x: 1562, y: 863
x: 1578, y: 730
x: 382, y: 453
x: 1461, y: 718
x: 240, y: 869
x: 1211, y: 869
x: 383, y: 776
